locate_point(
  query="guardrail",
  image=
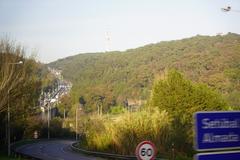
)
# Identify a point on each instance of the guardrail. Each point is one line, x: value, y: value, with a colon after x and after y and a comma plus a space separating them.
x: 102, y: 154
x: 18, y: 144
x: 22, y: 155
x: 106, y: 155
x: 74, y: 148
x: 15, y: 146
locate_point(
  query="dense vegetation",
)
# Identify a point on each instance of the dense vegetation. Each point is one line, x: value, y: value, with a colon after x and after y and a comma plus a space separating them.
x: 112, y: 78
x: 166, y: 120
x: 21, y: 81
x: 174, y: 80
x: 170, y: 80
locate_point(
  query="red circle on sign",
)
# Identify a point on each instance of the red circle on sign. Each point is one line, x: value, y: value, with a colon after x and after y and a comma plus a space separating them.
x: 150, y: 147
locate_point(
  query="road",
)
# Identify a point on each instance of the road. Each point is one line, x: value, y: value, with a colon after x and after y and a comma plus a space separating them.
x: 54, y: 150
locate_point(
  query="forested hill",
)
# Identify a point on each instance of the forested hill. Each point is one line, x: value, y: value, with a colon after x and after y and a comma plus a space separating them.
x: 214, y: 60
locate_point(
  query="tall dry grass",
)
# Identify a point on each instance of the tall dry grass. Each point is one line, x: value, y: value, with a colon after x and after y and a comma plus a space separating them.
x: 122, y: 134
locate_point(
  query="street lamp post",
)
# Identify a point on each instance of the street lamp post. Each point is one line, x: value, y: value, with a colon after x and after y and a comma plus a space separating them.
x: 8, y: 113
x: 76, y: 123
x: 77, y: 109
x: 49, y: 113
x: 19, y: 62
x: 8, y: 124
x: 48, y: 120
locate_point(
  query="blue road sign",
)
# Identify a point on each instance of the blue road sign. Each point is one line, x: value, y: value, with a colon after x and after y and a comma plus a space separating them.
x: 217, y: 130
x: 234, y: 155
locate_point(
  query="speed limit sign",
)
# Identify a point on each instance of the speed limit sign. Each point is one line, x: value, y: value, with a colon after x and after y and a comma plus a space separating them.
x: 146, y: 150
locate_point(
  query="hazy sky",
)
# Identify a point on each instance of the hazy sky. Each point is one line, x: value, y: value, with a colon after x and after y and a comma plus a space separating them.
x: 59, y: 28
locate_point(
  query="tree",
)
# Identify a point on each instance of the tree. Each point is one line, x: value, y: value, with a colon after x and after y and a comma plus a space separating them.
x: 21, y: 85
x: 11, y: 75
x: 82, y: 101
x: 131, y: 73
x: 181, y: 98
x: 65, y: 105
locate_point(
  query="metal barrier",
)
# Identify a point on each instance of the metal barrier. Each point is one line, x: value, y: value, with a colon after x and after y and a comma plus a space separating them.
x: 76, y: 149
x: 16, y: 153
x: 22, y: 155
x: 102, y: 154
x: 106, y: 155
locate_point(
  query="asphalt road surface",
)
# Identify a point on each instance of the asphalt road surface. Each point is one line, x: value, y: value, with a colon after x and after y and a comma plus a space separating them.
x: 54, y: 150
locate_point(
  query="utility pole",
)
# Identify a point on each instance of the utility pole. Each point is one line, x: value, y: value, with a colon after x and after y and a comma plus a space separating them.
x: 108, y: 41
x: 8, y: 125
x: 76, y: 123
x: 8, y: 113
x: 77, y: 110
x: 64, y: 114
x: 98, y: 109
x: 48, y: 120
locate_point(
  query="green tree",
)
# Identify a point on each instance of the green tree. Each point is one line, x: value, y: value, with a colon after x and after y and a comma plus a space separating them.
x: 131, y: 73
x: 182, y: 98
x: 117, y: 110
x: 20, y: 87
x: 65, y: 105
x: 82, y: 101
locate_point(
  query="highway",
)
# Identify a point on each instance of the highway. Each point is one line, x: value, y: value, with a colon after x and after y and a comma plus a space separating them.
x: 54, y: 150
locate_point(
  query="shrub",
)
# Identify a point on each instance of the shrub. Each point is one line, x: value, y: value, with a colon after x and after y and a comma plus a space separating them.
x: 181, y: 99
x: 117, y: 110
x: 139, y: 126
x: 124, y: 133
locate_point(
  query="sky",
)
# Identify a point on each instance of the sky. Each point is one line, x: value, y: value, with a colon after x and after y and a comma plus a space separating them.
x: 54, y: 29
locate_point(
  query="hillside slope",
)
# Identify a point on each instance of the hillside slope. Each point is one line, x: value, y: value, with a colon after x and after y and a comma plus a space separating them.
x: 118, y: 76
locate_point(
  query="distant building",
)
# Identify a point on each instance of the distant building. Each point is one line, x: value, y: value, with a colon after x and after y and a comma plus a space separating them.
x: 133, y: 105
x: 51, y: 96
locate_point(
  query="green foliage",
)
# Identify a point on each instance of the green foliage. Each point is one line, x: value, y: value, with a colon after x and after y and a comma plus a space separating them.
x: 82, y: 101
x: 56, y: 126
x: 210, y: 64
x: 234, y: 74
x: 234, y: 98
x: 65, y: 105
x: 56, y: 129
x: 180, y: 157
x: 20, y: 87
x: 117, y: 110
x: 130, y: 74
x: 19, y: 76
x: 181, y: 99
x: 123, y: 133
x: 31, y: 125
x: 166, y: 120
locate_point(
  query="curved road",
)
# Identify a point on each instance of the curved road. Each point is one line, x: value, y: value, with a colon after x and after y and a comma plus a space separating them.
x: 54, y: 150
